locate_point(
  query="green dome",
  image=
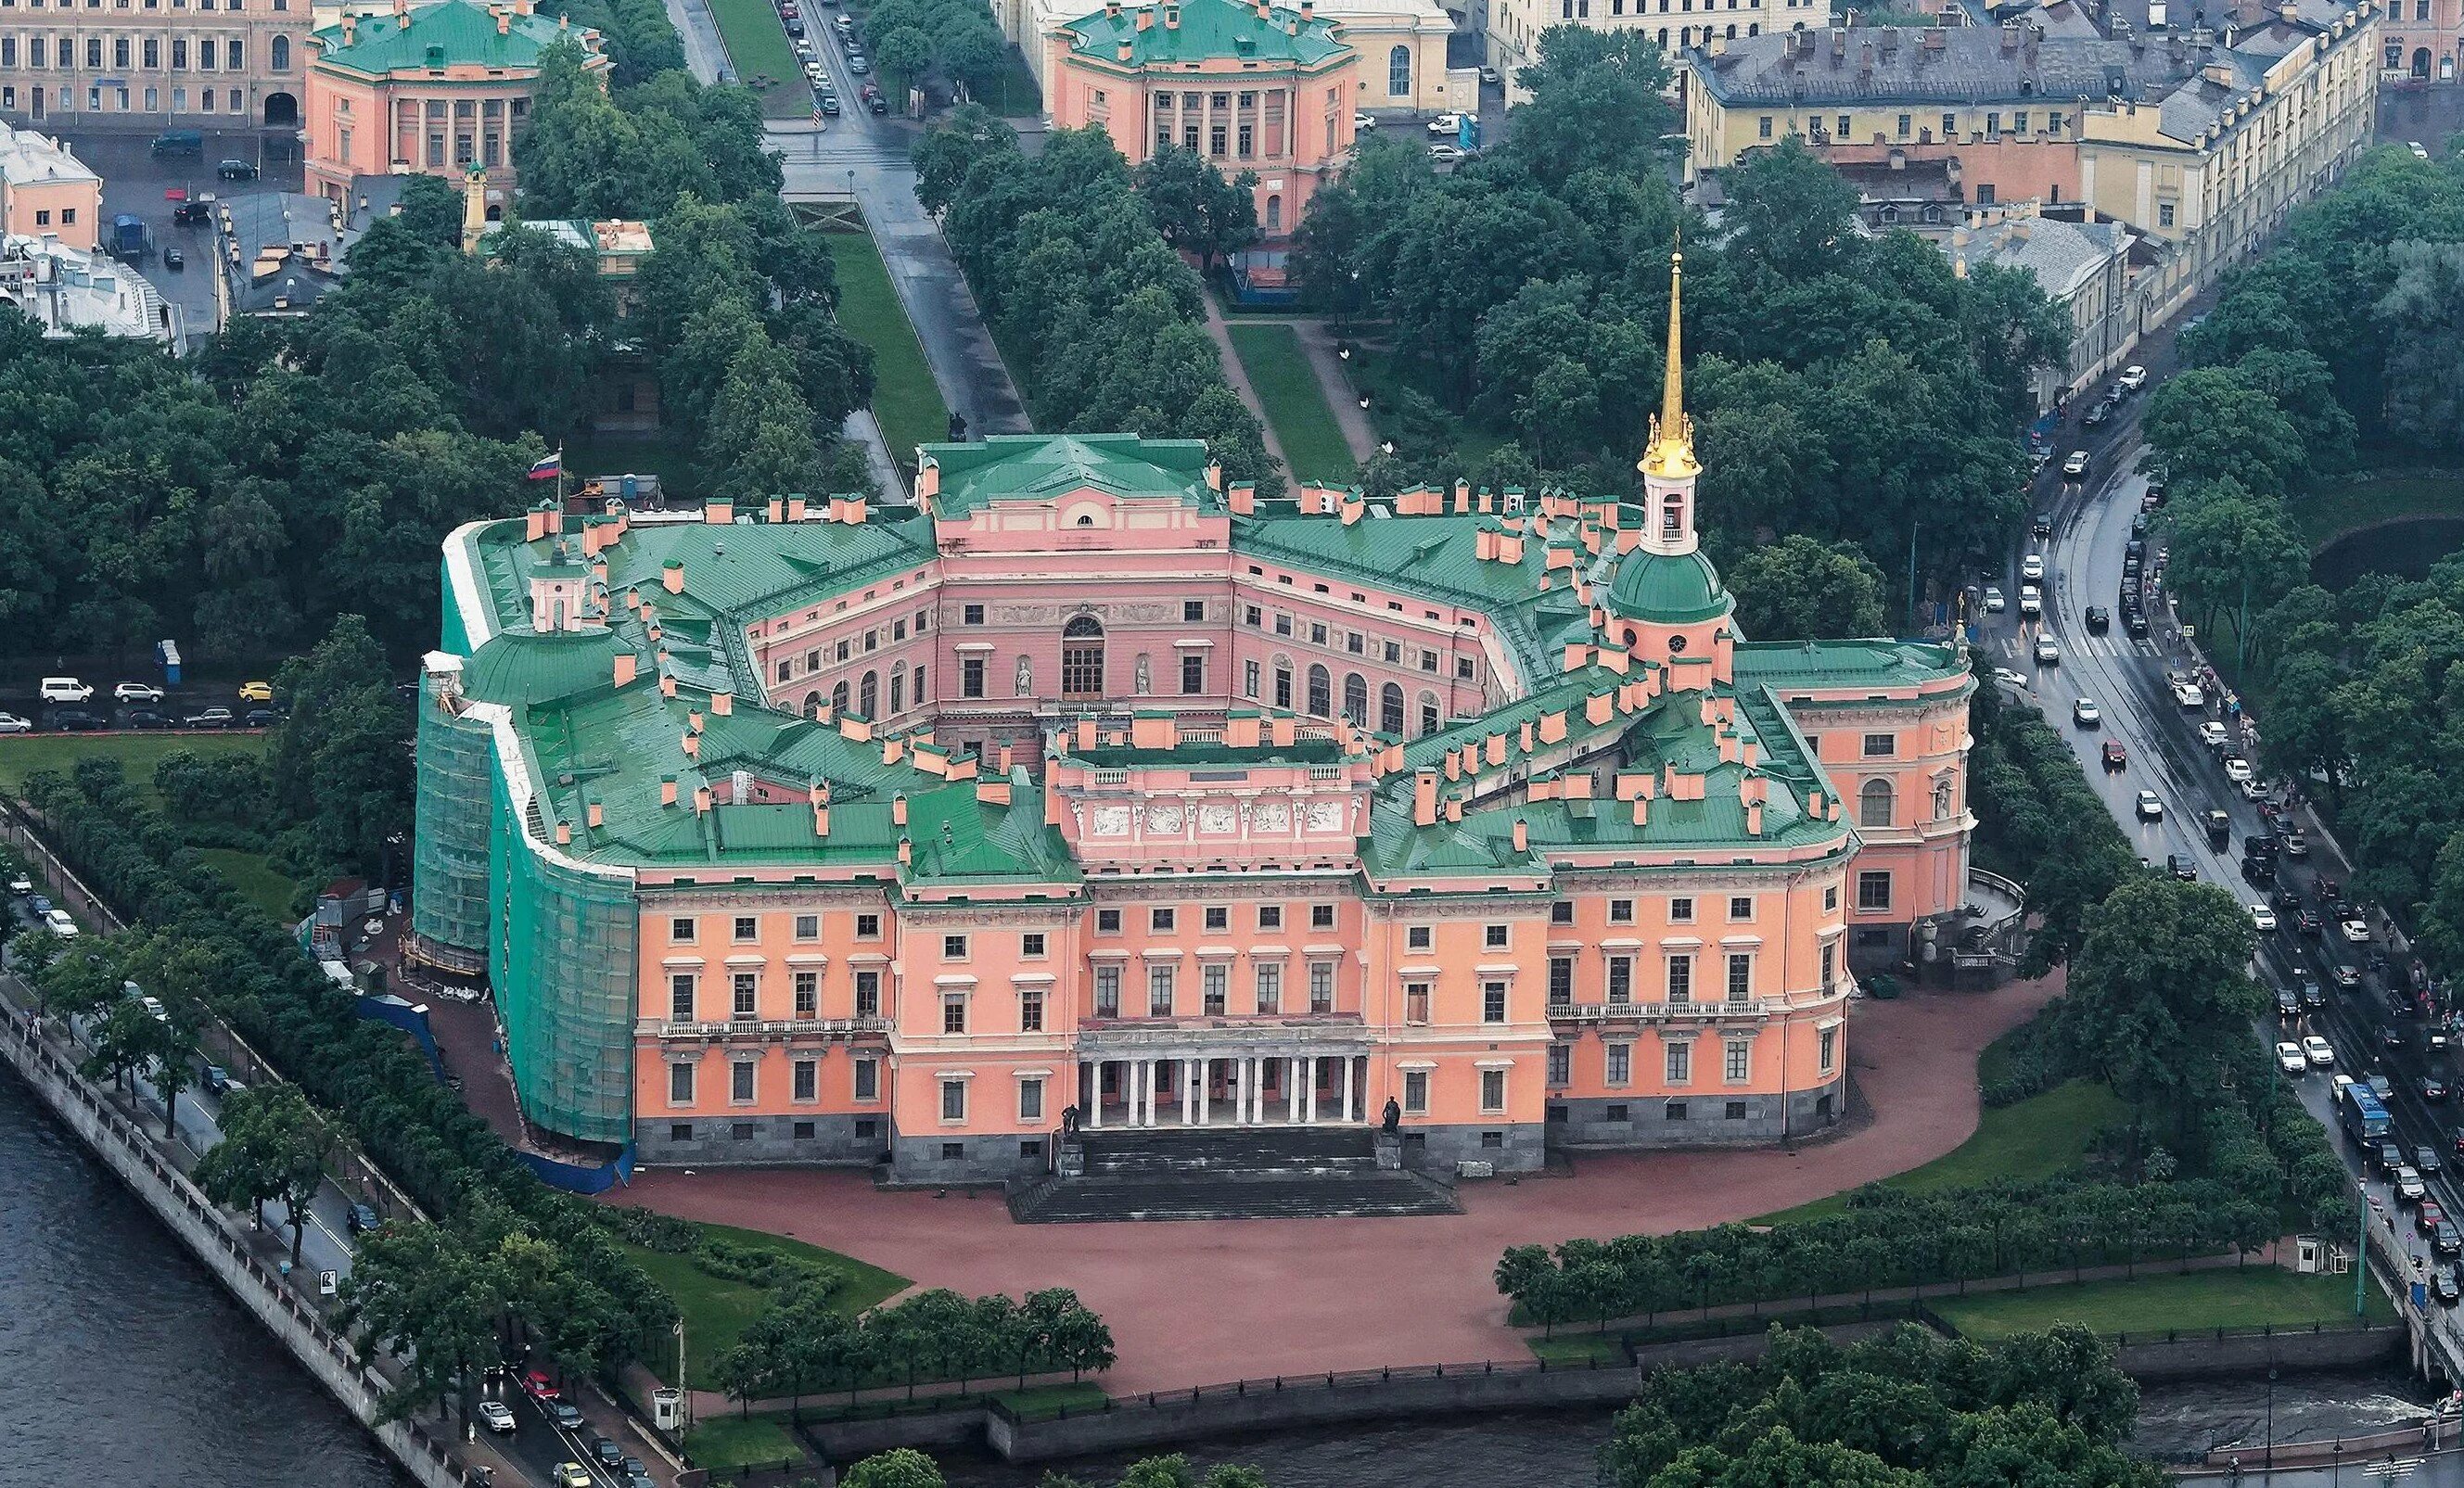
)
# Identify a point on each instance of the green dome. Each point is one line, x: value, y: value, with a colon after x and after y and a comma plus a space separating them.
x: 1672, y: 589
x: 523, y: 667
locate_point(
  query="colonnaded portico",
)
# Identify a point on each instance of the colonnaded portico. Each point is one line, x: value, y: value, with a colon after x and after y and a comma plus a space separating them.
x: 1226, y: 1074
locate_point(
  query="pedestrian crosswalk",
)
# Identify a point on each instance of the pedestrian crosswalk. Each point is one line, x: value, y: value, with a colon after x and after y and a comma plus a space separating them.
x: 2120, y: 647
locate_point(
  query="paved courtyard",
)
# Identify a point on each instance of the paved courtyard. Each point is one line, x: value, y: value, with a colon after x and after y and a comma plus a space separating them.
x: 1195, y: 1304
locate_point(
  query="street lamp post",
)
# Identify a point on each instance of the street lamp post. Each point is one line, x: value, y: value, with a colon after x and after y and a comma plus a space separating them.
x: 2270, y: 1418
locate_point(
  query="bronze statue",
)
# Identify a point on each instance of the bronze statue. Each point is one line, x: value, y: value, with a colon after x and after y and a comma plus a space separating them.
x: 1069, y: 1121
x: 1391, y: 1123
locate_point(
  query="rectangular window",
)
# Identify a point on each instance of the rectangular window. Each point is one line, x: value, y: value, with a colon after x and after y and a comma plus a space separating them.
x: 1030, y: 1009
x: 1321, y: 975
x: 1740, y: 976
x: 740, y: 1082
x: 747, y: 928
x: 1881, y: 746
x: 1908, y: 122
x: 954, y: 1100
x: 1873, y: 890
x: 1416, y: 1092
x: 1681, y: 979
x: 971, y: 676
x: 970, y: 615
x: 1681, y: 911
x: 1949, y: 127
x: 954, y: 947
x: 1737, y: 1064
x: 1031, y: 946
x: 1620, y: 911
x: 681, y: 929
x: 1248, y: 679
x: 1160, y: 920
x: 867, y: 1081
x: 1108, y: 992
x: 680, y: 997
x: 1492, y: 1090
x: 1321, y: 916
x: 953, y: 1012
x: 1561, y: 981
x: 1562, y: 912
x: 1270, y: 916
x: 806, y: 1076
x: 1829, y: 965
x: 1677, y: 1061
x: 809, y: 927
x: 1107, y: 922
x: 1193, y: 674
x: 1492, y: 1003
x: 808, y: 993
x: 1561, y: 1065
x: 1418, y: 937
x: 1416, y: 1002
x: 1734, y: 1111
x: 1270, y: 987
x: 1763, y: 127
x: 1621, y: 980
x: 746, y: 987
x: 2163, y: 214
x: 1496, y: 937
x: 868, y: 993
x: 1159, y: 992
x: 1193, y: 610
x: 680, y: 1085
x: 1620, y: 1063
x: 1215, y: 984
x: 1218, y: 918
x: 1741, y: 906
x: 1030, y: 1100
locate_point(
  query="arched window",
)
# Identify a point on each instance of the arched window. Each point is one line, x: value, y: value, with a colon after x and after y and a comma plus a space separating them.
x: 283, y: 53
x: 1321, y: 691
x: 839, y: 701
x: 1355, y: 698
x: 1085, y: 518
x: 2421, y: 62
x: 813, y: 704
x: 1274, y: 214
x: 1428, y: 712
x: 867, y: 696
x: 1390, y: 710
x: 1874, y: 803
x: 1399, y: 73
x: 1082, y: 657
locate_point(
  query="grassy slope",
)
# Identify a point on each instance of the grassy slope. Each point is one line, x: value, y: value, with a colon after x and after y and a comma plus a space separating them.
x: 2036, y: 1138
x: 716, y: 1309
x: 2342, y: 508
x: 756, y: 43
x: 2242, y: 1297
x: 725, y: 1445
x: 22, y: 755
x: 905, y: 398
x: 255, y: 879
x: 1294, y: 401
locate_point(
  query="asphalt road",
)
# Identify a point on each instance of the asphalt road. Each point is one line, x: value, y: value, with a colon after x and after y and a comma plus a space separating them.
x: 178, y: 705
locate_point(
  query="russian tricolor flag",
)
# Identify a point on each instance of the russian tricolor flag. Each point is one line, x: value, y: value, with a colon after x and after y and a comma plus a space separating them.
x: 550, y: 467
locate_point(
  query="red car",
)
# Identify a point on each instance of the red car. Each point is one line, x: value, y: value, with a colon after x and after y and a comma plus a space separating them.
x: 2431, y: 1215
x: 2114, y: 756
x: 539, y: 1386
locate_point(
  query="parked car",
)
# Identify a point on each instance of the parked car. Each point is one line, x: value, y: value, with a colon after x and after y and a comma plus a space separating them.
x: 829, y: 105
x: 137, y: 692
x: 2075, y: 464
x: 2150, y: 807
x: 235, y: 170
x: 2134, y: 622
x: 63, y: 689
x: 10, y: 723
x: 2346, y: 978
x: 217, y: 1078
x: 145, y: 718
x: 572, y: 1475
x: 875, y: 102
x: 1446, y: 154
x: 2181, y: 868
x: 2445, y: 1240
x: 2430, y: 1214
x: 2443, y: 1286
x: 256, y: 691
x: 858, y: 63
x: 497, y: 1415
x: 534, y: 1384
x: 610, y: 1455
x: 76, y: 720
x: 564, y: 1414
x: 58, y: 922
x: 1995, y: 604
x: 2295, y: 846
x: 2097, y: 412
x: 2319, y: 1052
x: 1448, y: 125
x: 2262, y: 919
x: 210, y: 718
x: 1364, y: 123
x: 2131, y: 380
x: 259, y: 718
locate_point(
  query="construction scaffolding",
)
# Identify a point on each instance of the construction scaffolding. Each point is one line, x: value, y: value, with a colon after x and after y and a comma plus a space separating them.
x: 449, y: 884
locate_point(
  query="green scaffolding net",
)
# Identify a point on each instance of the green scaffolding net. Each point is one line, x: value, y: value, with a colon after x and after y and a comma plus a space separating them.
x: 449, y: 884
x: 563, y: 961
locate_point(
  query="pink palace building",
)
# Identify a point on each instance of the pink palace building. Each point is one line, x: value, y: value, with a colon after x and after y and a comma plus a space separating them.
x: 1095, y: 792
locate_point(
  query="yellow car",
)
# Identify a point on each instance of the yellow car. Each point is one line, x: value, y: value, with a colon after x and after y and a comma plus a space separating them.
x: 572, y: 1475
x: 256, y: 691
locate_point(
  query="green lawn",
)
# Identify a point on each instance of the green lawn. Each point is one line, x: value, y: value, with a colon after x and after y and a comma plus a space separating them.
x: 728, y: 1444
x: 2036, y: 1138
x: 757, y: 44
x: 255, y: 879
x: 716, y: 1309
x: 905, y: 398
x: 2342, y: 508
x: 1295, y: 403
x: 2242, y: 1297
x: 663, y: 453
x: 22, y: 755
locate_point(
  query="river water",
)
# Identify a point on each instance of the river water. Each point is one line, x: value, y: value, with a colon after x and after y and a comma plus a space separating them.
x: 125, y: 1363
x: 122, y: 1360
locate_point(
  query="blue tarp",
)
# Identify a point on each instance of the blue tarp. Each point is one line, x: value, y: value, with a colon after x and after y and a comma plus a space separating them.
x: 574, y: 1178
x: 410, y: 1020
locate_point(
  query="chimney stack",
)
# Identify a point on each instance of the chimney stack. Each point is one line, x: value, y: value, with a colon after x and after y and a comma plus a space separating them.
x: 672, y: 575
x: 666, y: 790
x: 628, y: 667
x: 899, y: 809
x: 1424, y: 798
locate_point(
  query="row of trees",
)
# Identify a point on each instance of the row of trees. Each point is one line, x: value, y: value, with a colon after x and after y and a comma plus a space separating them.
x: 910, y: 38
x: 1903, y: 1409
x: 1848, y: 385
x: 905, y: 1467
x: 199, y: 942
x: 2039, y: 822
x: 802, y: 1344
x: 1098, y: 316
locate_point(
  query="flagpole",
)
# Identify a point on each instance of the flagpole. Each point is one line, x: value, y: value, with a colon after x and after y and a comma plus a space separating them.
x: 559, y: 475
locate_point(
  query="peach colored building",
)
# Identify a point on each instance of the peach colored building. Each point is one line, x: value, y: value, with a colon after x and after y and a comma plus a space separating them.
x: 1091, y: 783
x: 1250, y: 86
x: 432, y: 90
x: 46, y: 191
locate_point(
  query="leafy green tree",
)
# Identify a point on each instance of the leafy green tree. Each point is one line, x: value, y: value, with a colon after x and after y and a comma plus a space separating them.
x: 426, y: 1297
x: 904, y: 53
x: 2233, y: 551
x: 900, y: 1467
x: 273, y: 1150
x: 2213, y: 424
x: 2159, y: 988
x: 1788, y: 212
x: 1800, y: 589
x: 1195, y: 208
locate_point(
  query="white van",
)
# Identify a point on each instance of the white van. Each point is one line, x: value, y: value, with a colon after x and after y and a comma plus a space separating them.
x: 65, y: 689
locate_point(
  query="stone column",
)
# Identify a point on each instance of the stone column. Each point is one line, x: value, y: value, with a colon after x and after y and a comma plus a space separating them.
x: 1292, y: 1079
x: 1142, y: 1091
x: 1347, y: 1087
x: 1308, y: 1091
x: 1095, y: 1097
x: 1154, y: 1068
x: 1252, y: 1091
x: 1189, y: 1092
x: 1205, y: 1091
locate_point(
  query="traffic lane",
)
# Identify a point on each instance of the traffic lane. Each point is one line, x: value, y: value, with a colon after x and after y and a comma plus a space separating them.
x: 538, y: 1445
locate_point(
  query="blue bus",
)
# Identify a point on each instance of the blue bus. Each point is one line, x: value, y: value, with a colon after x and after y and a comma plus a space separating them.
x: 2364, y: 1117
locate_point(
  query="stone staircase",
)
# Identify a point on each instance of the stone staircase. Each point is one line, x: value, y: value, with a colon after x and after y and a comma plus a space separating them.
x: 1245, y: 1173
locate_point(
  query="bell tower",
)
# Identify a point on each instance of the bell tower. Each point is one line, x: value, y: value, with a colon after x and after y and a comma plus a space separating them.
x: 1669, y: 465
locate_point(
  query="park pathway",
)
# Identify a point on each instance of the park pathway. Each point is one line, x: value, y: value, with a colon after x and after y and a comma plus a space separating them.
x: 1317, y: 339
x: 1238, y: 376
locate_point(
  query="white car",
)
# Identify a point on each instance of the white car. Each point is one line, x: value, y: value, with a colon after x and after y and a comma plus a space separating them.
x: 498, y: 1415
x: 2358, y: 932
x: 2009, y: 679
x: 2336, y: 1084
x: 1448, y: 124
x: 2236, y: 769
x: 2261, y: 918
x: 137, y: 692
x: 2032, y: 567
x: 2418, y: 153
x: 2132, y: 379
x: 2150, y: 806
x: 2049, y: 651
x: 2085, y: 713
x: 2321, y: 1053
x: 2031, y: 604
x: 1994, y: 603
x: 2289, y: 1059
x: 1364, y: 123
x: 58, y: 922
x: 2190, y: 694
x: 1446, y: 154
x: 10, y: 723
x: 2212, y: 733
x: 2075, y: 464
x: 64, y: 690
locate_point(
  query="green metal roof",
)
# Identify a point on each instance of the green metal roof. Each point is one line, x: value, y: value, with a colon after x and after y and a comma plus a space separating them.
x: 523, y: 667
x: 1832, y: 663
x: 1673, y: 589
x: 1202, y: 31
x: 449, y: 33
x: 1040, y: 467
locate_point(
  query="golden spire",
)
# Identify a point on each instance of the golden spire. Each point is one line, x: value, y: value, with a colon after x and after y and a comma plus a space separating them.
x: 1671, y: 456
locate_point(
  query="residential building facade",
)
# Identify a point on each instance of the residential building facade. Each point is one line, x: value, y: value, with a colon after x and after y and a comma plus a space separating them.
x: 2084, y: 268
x: 150, y: 63
x: 432, y: 90
x: 1514, y: 26
x: 1092, y: 786
x: 45, y: 190
x: 1249, y: 86
x: 2421, y: 40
